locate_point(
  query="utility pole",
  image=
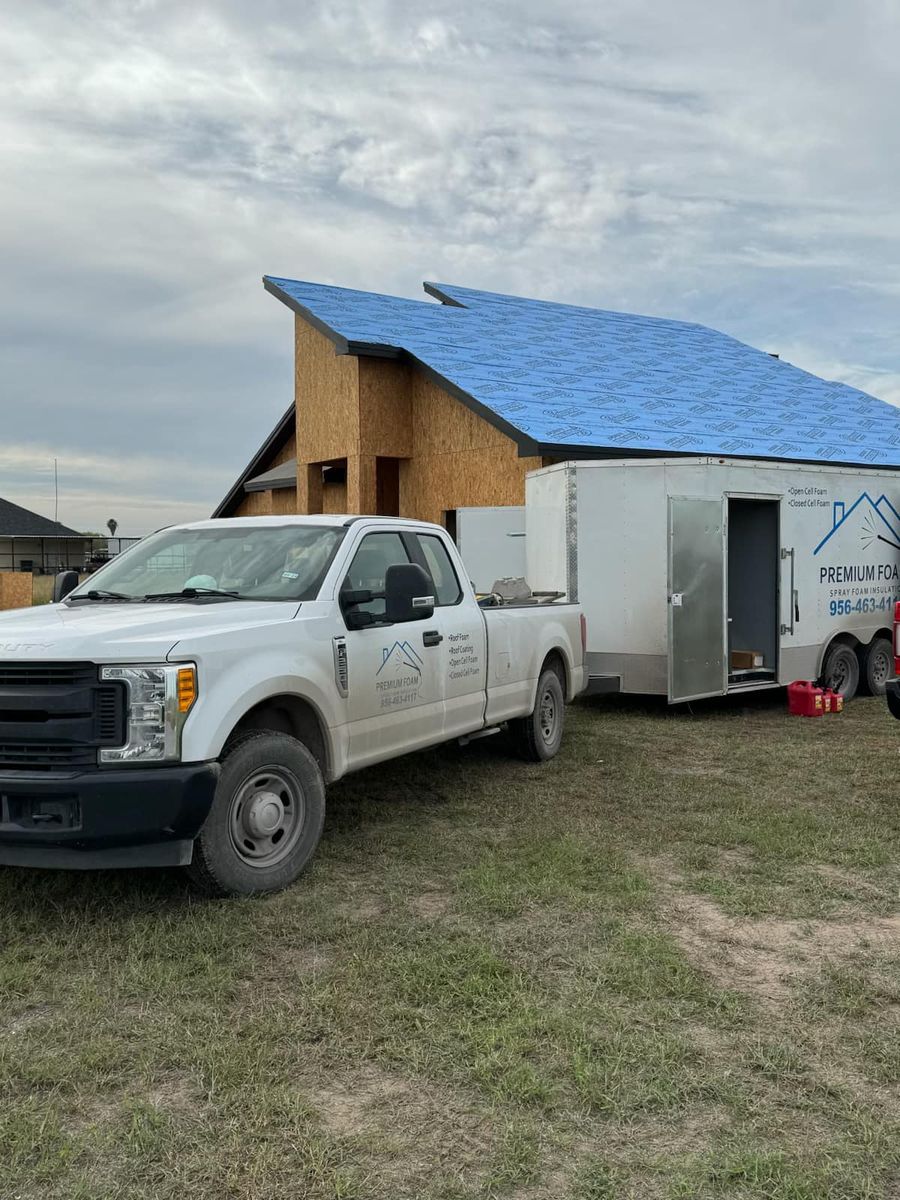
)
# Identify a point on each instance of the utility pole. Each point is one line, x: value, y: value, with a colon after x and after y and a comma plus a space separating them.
x: 55, y: 491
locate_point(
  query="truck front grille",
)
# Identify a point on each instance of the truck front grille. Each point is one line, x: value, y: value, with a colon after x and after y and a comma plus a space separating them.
x: 47, y: 674
x: 33, y: 756
x: 56, y: 716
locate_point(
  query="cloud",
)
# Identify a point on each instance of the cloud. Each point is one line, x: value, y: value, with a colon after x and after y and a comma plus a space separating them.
x: 736, y: 165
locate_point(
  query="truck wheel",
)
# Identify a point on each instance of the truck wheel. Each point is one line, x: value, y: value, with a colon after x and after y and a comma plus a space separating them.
x: 877, y: 666
x: 266, y: 817
x: 537, y: 737
x: 841, y: 670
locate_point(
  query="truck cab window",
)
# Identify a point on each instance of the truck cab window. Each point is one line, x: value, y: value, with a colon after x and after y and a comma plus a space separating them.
x: 376, y: 553
x: 440, y: 568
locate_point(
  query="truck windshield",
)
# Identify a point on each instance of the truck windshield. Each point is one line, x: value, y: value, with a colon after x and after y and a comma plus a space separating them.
x: 268, y: 562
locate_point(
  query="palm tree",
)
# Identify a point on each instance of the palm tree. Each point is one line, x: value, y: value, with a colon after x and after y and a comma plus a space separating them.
x: 112, y: 525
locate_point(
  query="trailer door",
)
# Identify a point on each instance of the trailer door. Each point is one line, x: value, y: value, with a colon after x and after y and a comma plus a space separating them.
x: 696, y: 644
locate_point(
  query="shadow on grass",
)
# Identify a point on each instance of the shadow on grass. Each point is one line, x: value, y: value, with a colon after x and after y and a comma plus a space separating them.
x: 48, y: 894
x: 358, y: 811
x: 362, y: 809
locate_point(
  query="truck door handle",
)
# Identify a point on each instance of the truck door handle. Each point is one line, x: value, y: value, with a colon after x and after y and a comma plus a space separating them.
x: 431, y: 637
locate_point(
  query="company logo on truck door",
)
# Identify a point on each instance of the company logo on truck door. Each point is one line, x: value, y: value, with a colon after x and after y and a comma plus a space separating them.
x: 398, y: 678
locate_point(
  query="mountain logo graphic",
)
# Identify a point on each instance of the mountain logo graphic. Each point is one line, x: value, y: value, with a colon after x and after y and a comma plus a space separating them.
x: 874, y: 522
x: 400, y: 656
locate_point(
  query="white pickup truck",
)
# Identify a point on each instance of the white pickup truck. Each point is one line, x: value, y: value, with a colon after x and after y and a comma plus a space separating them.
x: 187, y: 703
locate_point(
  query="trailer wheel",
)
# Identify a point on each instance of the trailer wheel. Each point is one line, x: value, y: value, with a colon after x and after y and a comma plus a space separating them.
x: 841, y: 670
x: 266, y: 818
x: 877, y: 666
x: 538, y: 736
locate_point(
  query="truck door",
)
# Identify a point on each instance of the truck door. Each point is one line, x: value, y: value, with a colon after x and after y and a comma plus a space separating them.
x: 394, y: 679
x: 463, y: 646
x: 696, y: 626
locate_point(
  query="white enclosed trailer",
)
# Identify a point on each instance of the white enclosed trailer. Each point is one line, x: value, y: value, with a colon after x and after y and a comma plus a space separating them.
x: 703, y: 576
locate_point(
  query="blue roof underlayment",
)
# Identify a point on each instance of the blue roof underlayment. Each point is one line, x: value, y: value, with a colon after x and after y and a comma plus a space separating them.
x: 568, y: 380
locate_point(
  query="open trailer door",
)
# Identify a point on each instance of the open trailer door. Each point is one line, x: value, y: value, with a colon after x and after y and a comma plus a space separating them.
x: 696, y: 642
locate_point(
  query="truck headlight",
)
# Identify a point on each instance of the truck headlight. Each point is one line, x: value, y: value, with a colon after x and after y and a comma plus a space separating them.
x: 159, y: 698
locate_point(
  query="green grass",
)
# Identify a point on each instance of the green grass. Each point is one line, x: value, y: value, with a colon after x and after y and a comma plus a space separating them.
x: 665, y: 965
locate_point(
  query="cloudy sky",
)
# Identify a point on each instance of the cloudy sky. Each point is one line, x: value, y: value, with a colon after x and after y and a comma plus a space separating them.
x: 732, y: 163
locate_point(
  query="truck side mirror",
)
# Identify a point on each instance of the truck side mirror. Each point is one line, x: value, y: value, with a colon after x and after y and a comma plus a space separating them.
x: 408, y: 593
x: 65, y: 582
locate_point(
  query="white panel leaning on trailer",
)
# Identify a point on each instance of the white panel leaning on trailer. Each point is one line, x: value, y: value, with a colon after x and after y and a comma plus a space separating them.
x: 703, y: 576
x: 491, y: 543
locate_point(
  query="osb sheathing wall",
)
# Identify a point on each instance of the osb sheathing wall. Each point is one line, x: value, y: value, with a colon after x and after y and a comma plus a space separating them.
x: 334, y: 498
x: 16, y: 589
x: 359, y: 409
x: 255, y: 504
x: 326, y: 389
x: 287, y: 453
x: 274, y: 502
x: 458, y: 460
x: 279, y: 500
x: 284, y: 500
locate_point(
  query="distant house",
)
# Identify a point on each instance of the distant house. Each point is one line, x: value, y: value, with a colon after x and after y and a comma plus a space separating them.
x: 30, y: 542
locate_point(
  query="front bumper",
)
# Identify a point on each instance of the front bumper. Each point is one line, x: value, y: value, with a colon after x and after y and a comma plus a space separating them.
x: 892, y: 695
x: 142, y: 817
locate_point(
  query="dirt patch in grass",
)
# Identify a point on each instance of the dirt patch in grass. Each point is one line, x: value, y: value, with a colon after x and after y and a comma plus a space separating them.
x: 176, y: 1093
x: 310, y: 960
x: 407, y: 1133
x: 430, y: 905
x: 361, y: 908
x: 26, y: 1020
x: 698, y: 772
x: 765, y: 958
x: 375, y: 1099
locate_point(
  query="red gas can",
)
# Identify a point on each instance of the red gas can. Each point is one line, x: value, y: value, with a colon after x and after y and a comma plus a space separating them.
x: 805, y: 699
x: 834, y: 701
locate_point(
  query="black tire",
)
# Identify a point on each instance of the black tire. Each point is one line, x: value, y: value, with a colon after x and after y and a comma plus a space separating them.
x: 266, y: 818
x: 840, y: 671
x: 537, y: 737
x: 876, y: 665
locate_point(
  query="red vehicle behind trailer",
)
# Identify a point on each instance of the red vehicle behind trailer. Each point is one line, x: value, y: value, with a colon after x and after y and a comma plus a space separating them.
x: 892, y: 687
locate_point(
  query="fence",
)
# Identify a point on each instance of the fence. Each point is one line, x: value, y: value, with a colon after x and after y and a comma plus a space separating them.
x: 46, y: 556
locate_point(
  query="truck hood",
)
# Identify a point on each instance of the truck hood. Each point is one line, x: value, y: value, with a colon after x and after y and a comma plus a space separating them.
x: 111, y: 631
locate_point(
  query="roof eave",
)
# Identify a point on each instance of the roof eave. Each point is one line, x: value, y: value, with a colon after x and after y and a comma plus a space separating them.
x: 555, y: 450
x: 340, y: 343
